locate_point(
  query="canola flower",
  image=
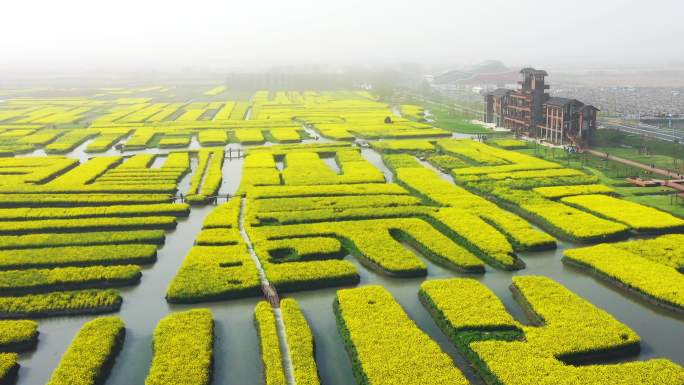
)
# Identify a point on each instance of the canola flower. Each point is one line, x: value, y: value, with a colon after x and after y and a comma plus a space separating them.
x: 381, y: 339
x: 564, y: 328
x: 91, y: 351
x: 183, y: 349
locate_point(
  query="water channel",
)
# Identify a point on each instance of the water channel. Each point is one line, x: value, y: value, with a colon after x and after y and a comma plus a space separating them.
x: 237, y: 360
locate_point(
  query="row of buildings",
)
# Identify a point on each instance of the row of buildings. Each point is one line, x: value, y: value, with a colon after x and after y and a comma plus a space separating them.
x: 531, y: 111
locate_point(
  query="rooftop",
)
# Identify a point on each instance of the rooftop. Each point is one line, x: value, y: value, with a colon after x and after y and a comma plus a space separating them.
x: 558, y: 101
x: 534, y: 71
x: 499, y: 92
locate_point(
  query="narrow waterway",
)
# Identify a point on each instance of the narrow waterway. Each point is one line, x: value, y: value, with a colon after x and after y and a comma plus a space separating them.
x: 280, y: 325
x: 236, y: 346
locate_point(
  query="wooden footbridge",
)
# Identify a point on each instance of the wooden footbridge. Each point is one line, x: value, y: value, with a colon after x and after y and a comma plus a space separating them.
x: 214, y: 199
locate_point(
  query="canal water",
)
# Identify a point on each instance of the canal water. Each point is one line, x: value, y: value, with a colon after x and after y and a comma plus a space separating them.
x: 237, y: 360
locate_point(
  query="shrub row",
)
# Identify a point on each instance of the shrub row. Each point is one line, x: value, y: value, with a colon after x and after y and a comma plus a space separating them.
x: 183, y: 345
x: 271, y: 356
x: 502, y: 183
x: 214, y: 272
x: 300, y: 342
x: 258, y: 171
x: 17, y: 282
x: 263, y: 192
x: 34, y: 241
x: 478, y: 236
x: 527, y: 174
x: 658, y: 282
x: 558, y: 218
x: 510, y: 157
x: 91, y: 354
x: 465, y: 304
x: 284, y: 135
x: 311, y: 275
x: 217, y: 236
x: 248, y: 136
x: 69, y: 141
x: 8, y: 368
x: 88, y: 224
x: 177, y: 160
x: 207, y: 178
x: 515, y: 363
x: 179, y: 141
x: 380, y: 339
x: 299, y: 249
x: 334, y: 214
x: 307, y: 168
x: 565, y: 191
x: 446, y: 162
x: 18, y: 336
x: 129, y: 185
x: 219, y: 267
x: 509, y: 143
x: 471, y: 151
x: 564, y: 327
x: 105, y: 141
x: 531, y: 183
x: 42, y: 213
x: 568, y: 326
x: 71, y: 200
x: 373, y: 242
x: 333, y: 202
x: 209, y: 138
x: 398, y: 132
x: 520, y: 233
x: 389, y: 146
x: 665, y: 249
x: 85, y: 172
x: 640, y: 218
x: 213, y: 174
x: 60, y: 303
x: 139, y: 140
x: 225, y: 215
x: 574, y: 224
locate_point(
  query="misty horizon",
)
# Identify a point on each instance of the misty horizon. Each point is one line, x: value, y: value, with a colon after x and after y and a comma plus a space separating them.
x: 74, y: 36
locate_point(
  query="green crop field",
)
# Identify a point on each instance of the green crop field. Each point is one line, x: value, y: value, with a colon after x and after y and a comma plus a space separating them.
x: 202, y: 235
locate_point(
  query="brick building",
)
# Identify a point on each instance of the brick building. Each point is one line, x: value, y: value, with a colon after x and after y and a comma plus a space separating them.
x: 530, y: 111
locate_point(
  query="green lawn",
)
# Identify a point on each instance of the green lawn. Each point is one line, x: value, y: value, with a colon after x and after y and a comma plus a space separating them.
x: 669, y: 203
x: 613, y: 174
x: 660, y: 161
x: 454, y: 121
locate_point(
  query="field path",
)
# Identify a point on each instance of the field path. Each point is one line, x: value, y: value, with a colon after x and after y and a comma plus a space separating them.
x: 280, y: 325
x: 634, y: 164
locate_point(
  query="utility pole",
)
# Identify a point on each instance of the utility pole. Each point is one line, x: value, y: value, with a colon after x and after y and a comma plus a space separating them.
x: 675, y: 140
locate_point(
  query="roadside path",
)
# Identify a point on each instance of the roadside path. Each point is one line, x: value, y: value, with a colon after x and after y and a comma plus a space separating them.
x: 632, y: 163
x: 280, y: 325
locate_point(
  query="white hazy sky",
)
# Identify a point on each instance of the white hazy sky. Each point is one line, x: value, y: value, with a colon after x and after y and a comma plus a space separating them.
x: 170, y: 34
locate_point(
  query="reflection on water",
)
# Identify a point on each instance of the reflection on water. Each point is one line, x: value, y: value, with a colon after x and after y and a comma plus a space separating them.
x: 236, y: 345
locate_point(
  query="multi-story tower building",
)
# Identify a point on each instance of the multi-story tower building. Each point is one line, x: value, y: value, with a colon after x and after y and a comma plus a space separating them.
x: 530, y: 111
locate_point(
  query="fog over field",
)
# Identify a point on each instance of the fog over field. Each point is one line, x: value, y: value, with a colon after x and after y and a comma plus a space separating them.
x: 73, y: 35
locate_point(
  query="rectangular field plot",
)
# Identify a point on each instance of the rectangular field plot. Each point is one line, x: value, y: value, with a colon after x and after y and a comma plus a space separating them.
x: 565, y: 330
x: 650, y: 268
x: 69, y: 229
x: 201, y: 233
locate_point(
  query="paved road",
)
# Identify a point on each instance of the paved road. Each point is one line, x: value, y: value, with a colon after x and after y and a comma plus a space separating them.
x: 632, y: 163
x: 649, y: 130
